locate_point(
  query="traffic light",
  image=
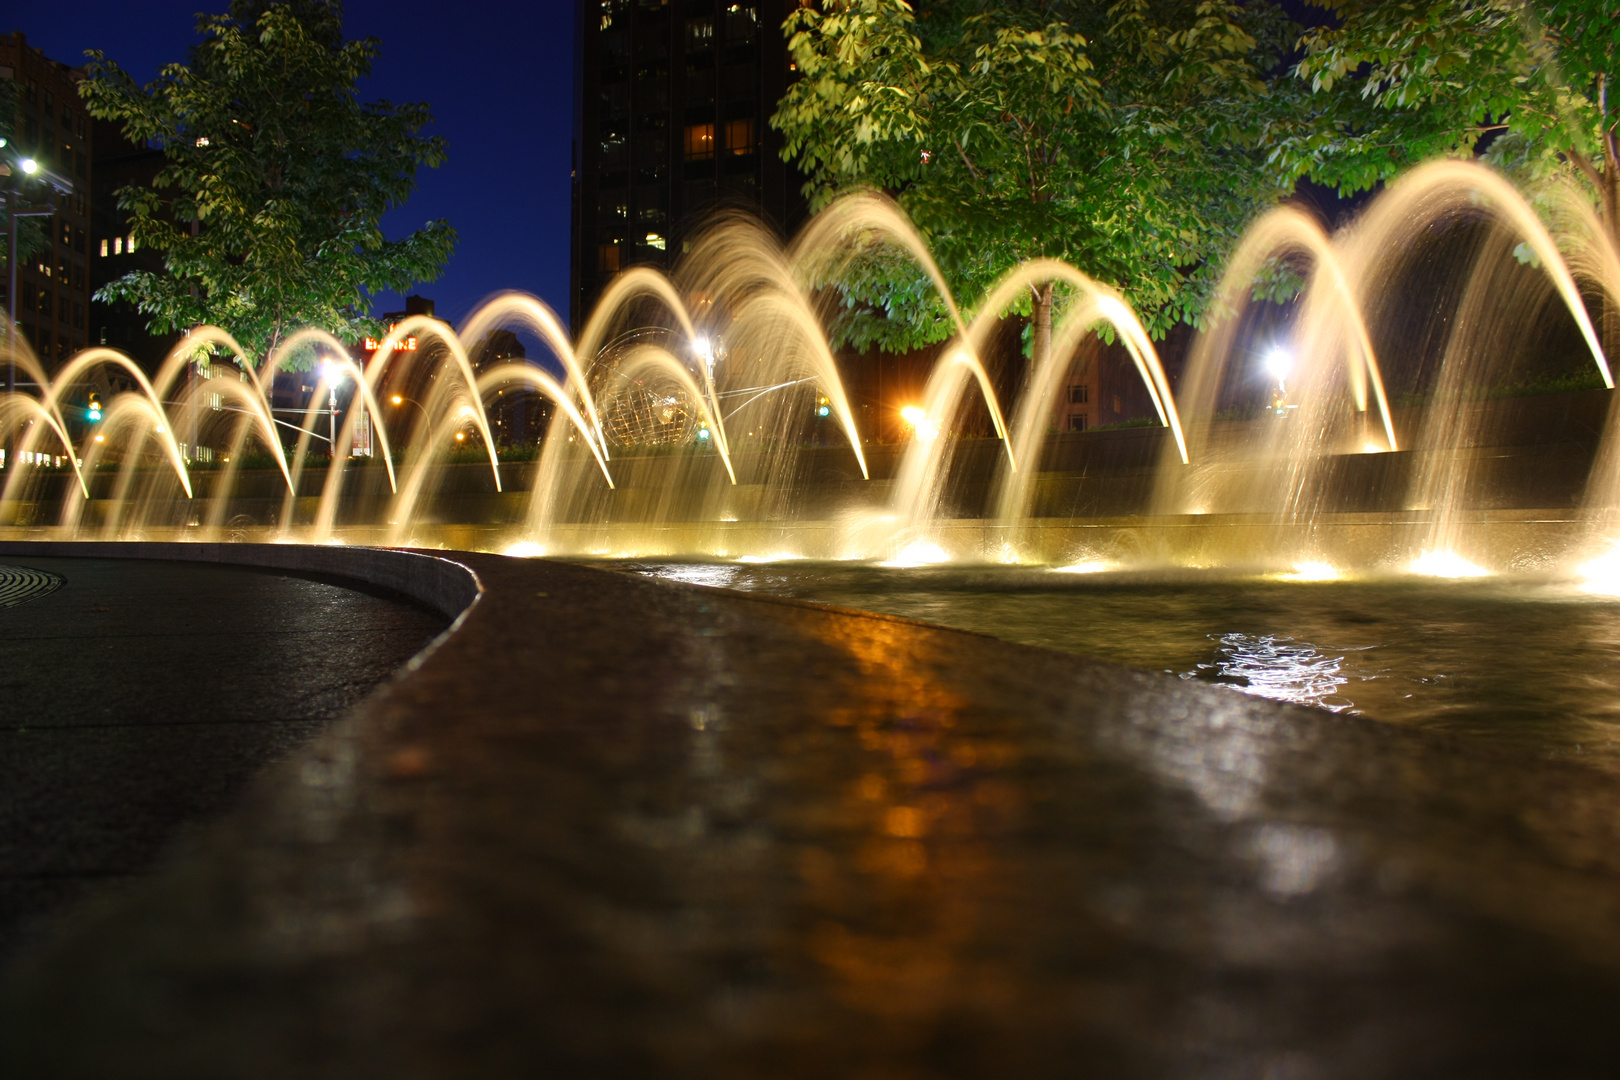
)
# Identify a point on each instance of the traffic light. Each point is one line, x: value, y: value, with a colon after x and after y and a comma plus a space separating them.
x: 823, y: 405
x: 93, y: 410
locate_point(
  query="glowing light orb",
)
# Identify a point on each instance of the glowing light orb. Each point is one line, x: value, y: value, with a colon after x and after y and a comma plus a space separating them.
x: 917, y: 417
x: 1601, y: 576
x: 1446, y: 564
x: 1312, y: 570
x: 1279, y: 362
x: 919, y: 553
x: 1087, y: 566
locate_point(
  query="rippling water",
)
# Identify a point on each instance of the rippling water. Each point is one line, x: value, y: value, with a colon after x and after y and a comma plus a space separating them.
x: 1514, y: 663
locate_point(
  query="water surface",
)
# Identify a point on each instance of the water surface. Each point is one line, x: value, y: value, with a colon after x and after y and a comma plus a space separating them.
x: 1516, y: 663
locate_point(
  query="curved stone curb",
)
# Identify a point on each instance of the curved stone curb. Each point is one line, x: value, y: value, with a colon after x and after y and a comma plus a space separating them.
x: 615, y: 826
x: 446, y: 586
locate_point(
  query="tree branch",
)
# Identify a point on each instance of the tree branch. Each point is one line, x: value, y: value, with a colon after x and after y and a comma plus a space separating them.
x: 1585, y: 165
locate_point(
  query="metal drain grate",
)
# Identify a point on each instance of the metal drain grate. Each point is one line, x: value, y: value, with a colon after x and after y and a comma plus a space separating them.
x: 19, y: 584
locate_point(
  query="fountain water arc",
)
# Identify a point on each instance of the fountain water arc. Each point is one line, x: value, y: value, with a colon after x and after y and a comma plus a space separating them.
x: 525, y: 310
x: 528, y: 375
x: 335, y: 353
x: 260, y: 403
x: 150, y: 390
x: 21, y: 413
x: 813, y: 254
x: 651, y: 358
x: 1439, y: 187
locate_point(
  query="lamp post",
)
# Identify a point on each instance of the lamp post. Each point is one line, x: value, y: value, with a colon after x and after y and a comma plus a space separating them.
x: 333, y: 375
x: 29, y: 168
x: 401, y: 399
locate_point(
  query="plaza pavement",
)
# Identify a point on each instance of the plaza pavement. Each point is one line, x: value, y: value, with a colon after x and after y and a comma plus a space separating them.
x: 618, y: 827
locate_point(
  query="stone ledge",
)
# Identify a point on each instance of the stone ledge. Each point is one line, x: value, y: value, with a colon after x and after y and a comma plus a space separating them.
x: 621, y: 827
x: 440, y: 583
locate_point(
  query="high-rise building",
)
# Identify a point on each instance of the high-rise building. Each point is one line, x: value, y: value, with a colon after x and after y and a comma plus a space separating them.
x: 672, y: 112
x: 52, y: 128
x: 118, y: 164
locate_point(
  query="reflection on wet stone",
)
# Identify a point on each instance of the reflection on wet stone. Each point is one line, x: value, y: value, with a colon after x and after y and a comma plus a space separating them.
x: 737, y: 837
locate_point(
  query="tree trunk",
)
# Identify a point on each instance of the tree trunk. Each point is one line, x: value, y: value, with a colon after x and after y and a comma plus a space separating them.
x: 1040, y: 343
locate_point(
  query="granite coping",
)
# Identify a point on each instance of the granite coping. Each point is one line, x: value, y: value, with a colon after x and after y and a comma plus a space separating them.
x: 616, y: 826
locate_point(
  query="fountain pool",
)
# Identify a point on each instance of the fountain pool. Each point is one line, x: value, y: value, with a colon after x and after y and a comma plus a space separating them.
x: 1527, y: 664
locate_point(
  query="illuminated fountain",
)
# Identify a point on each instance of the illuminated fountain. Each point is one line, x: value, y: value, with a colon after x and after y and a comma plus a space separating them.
x: 704, y: 414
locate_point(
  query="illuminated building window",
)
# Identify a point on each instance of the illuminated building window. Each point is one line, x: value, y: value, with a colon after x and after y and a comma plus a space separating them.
x: 741, y: 22
x: 104, y: 249
x: 699, y: 141
x: 607, y: 258
x: 129, y: 244
x: 656, y: 240
x: 740, y: 136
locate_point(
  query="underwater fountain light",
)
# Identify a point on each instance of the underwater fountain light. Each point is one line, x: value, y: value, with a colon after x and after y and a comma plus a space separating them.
x: 1446, y: 564
x: 1088, y: 566
x: 919, y: 553
x: 1312, y: 570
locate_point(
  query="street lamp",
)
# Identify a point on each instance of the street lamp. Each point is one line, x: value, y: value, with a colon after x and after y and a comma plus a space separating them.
x: 401, y: 399
x: 333, y: 375
x: 29, y: 168
x: 1280, y: 363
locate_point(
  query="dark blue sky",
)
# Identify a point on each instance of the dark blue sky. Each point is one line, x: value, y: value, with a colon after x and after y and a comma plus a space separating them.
x: 499, y: 78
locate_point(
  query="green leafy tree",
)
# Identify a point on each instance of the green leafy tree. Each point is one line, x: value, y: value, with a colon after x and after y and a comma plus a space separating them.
x: 1403, y: 82
x: 277, y: 177
x: 1134, y: 140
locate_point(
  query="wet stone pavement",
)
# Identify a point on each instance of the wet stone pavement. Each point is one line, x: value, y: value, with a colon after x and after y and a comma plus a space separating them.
x: 139, y: 697
x: 619, y: 827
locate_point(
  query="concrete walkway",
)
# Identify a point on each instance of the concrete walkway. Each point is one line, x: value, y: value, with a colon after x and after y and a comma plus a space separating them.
x: 622, y: 827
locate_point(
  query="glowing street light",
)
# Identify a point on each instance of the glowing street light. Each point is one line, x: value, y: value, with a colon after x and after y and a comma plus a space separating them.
x: 400, y: 399
x: 332, y: 373
x: 917, y: 417
x: 63, y: 186
x: 1280, y: 363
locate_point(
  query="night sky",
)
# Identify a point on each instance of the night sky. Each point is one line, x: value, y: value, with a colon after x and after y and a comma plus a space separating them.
x: 498, y: 76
